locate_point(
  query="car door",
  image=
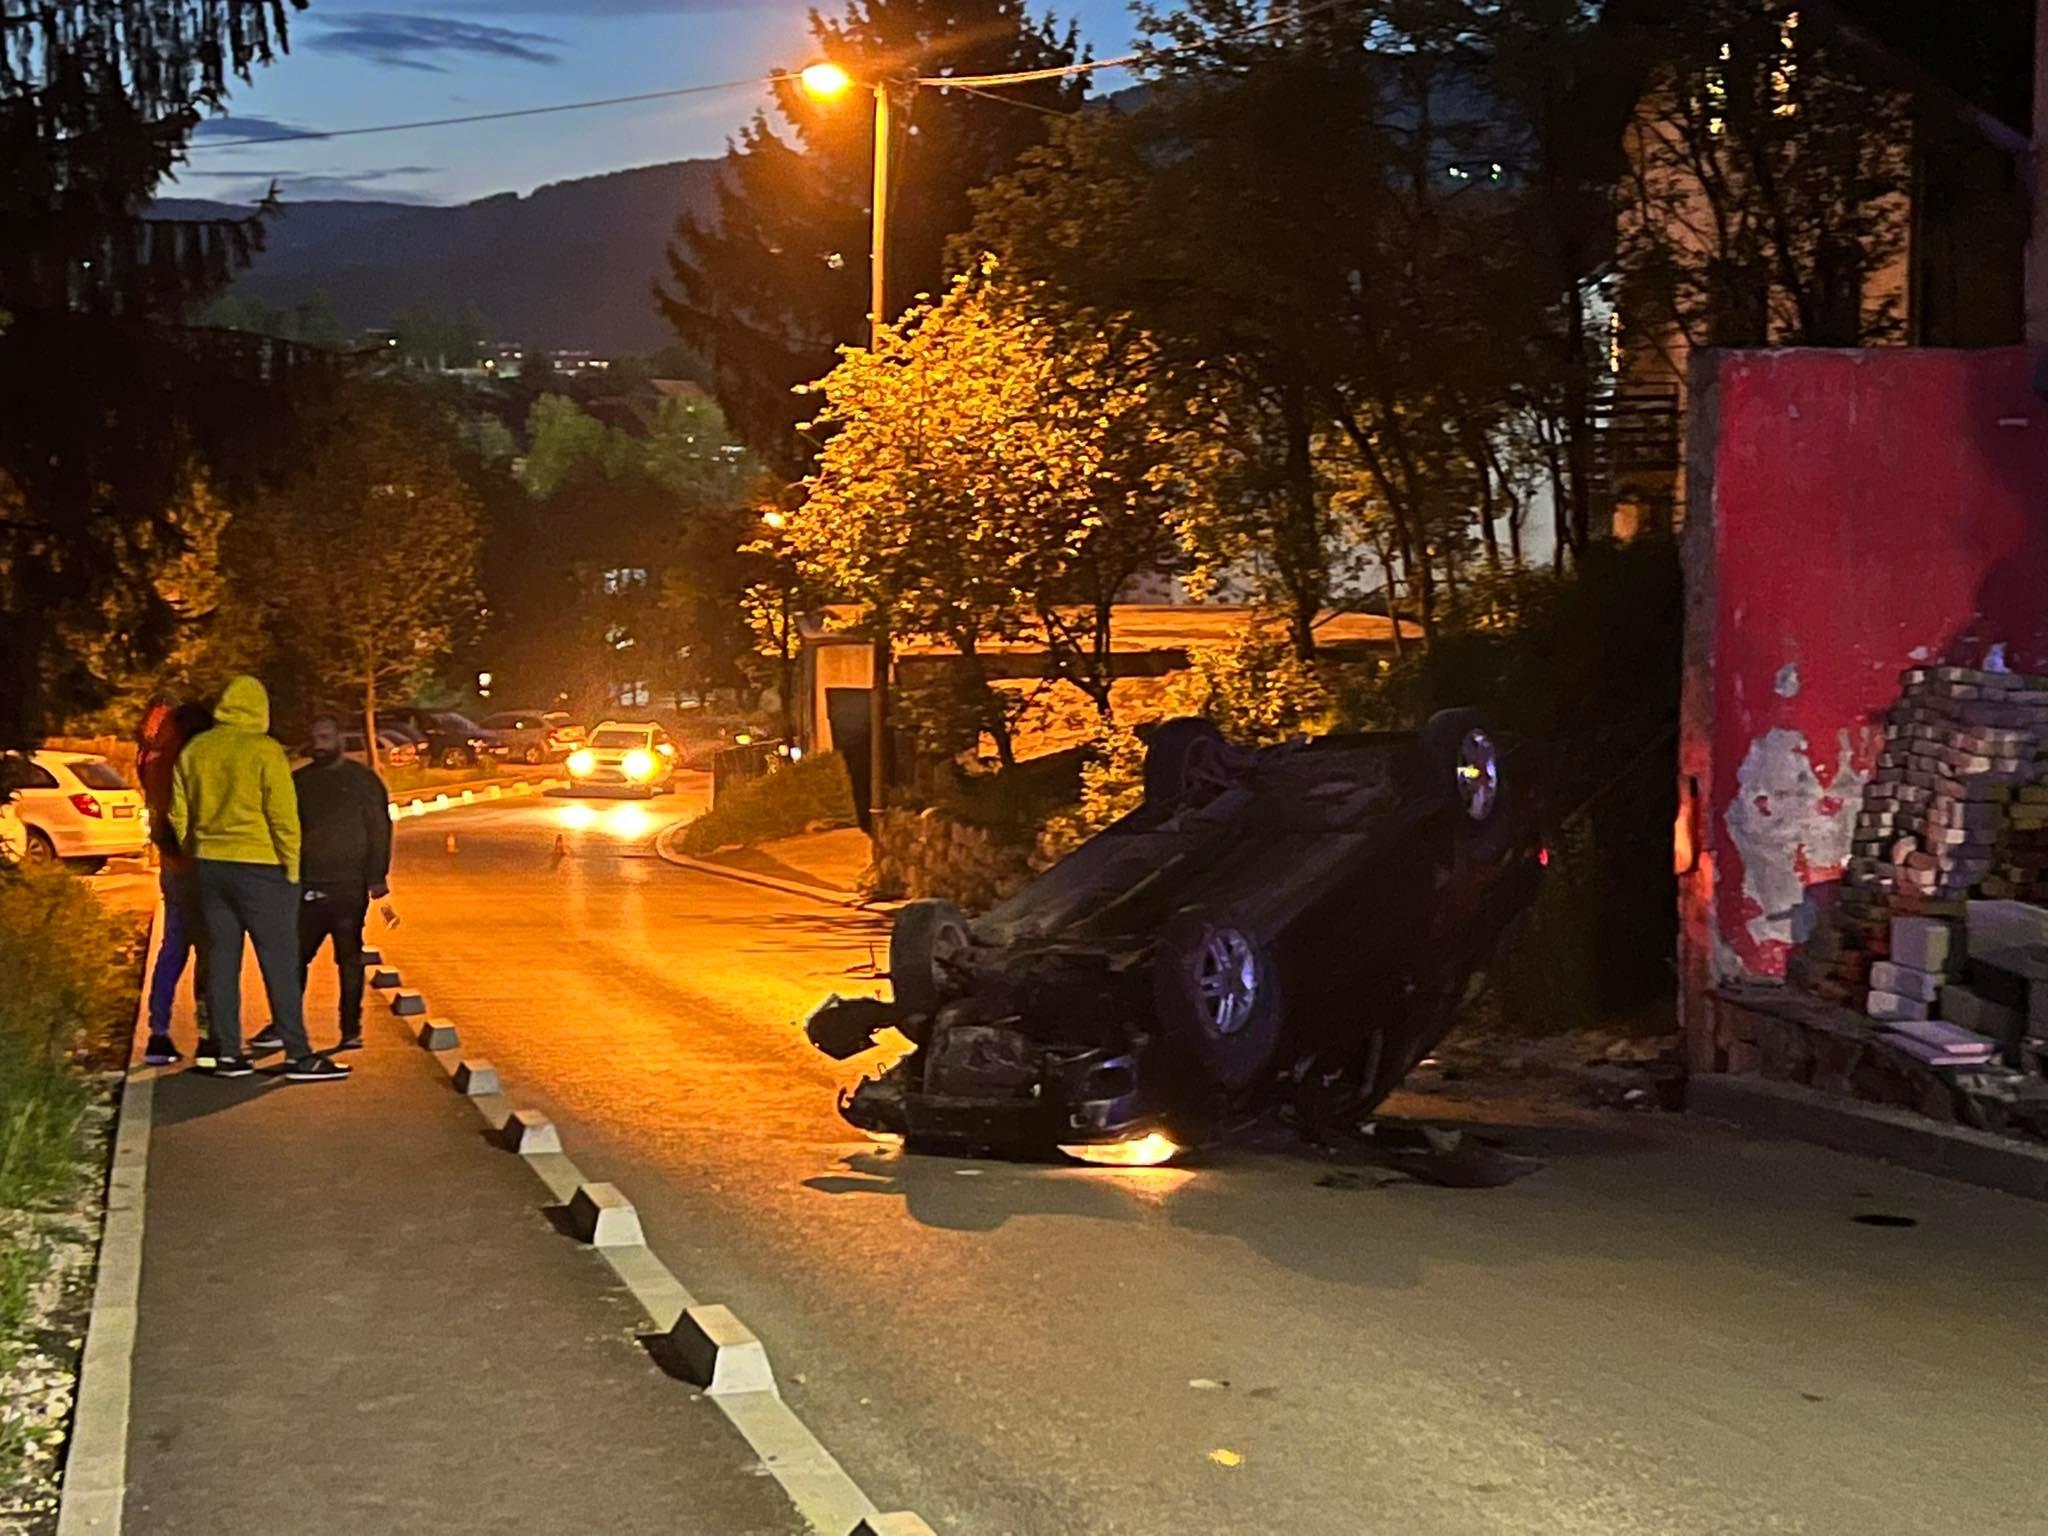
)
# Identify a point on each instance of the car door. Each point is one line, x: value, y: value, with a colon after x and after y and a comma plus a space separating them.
x: 38, y: 798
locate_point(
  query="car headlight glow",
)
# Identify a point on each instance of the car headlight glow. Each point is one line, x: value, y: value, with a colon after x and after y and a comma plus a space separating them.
x: 583, y: 763
x: 638, y: 763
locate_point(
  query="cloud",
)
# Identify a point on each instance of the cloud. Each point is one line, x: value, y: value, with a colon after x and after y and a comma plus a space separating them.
x: 217, y: 128
x: 250, y: 186
x: 582, y: 8
x: 418, y: 42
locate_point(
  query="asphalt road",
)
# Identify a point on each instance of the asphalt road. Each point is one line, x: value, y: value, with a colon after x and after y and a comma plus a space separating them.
x: 1669, y: 1329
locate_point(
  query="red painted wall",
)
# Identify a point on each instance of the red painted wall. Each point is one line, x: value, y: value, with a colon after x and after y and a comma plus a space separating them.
x: 1851, y: 514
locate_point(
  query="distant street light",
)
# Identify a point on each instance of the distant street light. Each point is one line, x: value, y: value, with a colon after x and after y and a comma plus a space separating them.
x: 826, y: 81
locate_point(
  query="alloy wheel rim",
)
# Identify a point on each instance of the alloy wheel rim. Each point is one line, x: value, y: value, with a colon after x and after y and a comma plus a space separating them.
x: 1226, y: 981
x: 1478, y: 775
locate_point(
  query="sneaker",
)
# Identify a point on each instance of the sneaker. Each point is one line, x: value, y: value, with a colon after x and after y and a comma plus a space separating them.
x: 229, y: 1066
x: 266, y: 1042
x: 160, y: 1052
x: 350, y: 1043
x: 205, y: 1053
x: 316, y: 1069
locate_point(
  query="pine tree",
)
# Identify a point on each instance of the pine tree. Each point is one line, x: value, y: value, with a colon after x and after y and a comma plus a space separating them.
x: 107, y: 407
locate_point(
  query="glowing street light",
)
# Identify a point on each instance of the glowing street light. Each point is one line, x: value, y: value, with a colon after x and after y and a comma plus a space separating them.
x: 825, y: 80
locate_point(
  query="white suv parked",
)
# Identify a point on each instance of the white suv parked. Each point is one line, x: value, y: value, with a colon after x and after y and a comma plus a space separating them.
x: 74, y: 807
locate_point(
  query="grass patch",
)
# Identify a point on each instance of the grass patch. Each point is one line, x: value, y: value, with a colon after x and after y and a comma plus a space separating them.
x: 790, y: 800
x: 39, y: 1142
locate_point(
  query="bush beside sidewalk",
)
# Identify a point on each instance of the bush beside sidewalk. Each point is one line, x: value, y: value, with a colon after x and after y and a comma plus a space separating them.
x: 67, y: 1010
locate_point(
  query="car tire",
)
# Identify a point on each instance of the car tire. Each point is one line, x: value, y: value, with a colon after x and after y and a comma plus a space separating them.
x: 925, y: 936
x: 1459, y: 760
x: 41, y: 853
x: 1181, y: 755
x: 454, y: 757
x: 1216, y: 995
x: 535, y: 756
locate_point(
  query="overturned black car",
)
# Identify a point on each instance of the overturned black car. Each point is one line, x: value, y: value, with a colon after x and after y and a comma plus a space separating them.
x: 1301, y: 921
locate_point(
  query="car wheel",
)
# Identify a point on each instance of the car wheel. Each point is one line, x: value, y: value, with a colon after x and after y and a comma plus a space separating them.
x: 1185, y: 755
x: 42, y: 853
x: 536, y: 755
x: 1216, y: 992
x: 454, y: 757
x: 925, y: 938
x: 1460, y: 762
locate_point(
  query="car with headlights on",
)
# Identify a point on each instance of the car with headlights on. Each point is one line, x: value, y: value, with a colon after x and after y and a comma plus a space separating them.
x: 624, y: 757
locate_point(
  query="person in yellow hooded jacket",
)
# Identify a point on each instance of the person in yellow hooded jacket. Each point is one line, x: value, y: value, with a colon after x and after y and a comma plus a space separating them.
x: 236, y: 816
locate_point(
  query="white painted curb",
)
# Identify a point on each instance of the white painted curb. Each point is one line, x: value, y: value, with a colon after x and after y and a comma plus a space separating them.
x: 475, y: 1078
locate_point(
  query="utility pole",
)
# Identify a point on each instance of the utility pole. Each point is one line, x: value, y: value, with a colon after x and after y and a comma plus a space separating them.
x: 878, y: 316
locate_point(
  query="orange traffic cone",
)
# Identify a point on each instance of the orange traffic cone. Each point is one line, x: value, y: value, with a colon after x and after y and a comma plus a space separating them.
x: 451, y: 842
x: 561, y: 846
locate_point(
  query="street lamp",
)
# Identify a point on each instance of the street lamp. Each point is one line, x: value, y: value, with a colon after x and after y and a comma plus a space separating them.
x: 826, y: 81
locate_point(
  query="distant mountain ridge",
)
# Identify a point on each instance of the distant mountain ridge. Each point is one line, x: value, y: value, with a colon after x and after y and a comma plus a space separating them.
x: 568, y: 265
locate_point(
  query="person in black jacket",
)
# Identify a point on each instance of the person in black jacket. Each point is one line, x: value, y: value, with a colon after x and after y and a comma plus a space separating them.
x: 344, y: 863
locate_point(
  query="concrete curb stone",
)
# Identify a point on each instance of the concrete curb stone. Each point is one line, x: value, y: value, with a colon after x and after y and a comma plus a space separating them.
x: 720, y: 1353
x: 528, y: 1130
x: 1872, y: 1130
x: 604, y: 1218
x: 476, y: 1078
x: 407, y: 1005
x: 437, y: 1035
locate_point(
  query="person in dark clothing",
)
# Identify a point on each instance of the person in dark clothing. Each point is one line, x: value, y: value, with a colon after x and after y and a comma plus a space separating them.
x: 344, y: 863
x: 165, y: 730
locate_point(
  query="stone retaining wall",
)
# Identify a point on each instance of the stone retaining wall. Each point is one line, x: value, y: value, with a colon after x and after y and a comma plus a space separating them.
x: 930, y: 853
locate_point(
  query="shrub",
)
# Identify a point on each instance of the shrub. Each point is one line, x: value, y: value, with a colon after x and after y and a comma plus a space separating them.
x: 791, y: 799
x: 63, y: 959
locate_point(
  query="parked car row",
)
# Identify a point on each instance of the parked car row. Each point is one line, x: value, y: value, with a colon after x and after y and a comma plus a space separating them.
x: 77, y: 809
x: 445, y: 738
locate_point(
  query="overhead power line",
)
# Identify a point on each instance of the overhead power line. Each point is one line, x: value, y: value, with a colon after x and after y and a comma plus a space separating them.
x: 483, y: 117
x: 1129, y: 60
x: 972, y: 84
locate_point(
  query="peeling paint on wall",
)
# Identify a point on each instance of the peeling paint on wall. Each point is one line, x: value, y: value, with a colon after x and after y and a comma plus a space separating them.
x: 1789, y: 827
x: 1787, y: 685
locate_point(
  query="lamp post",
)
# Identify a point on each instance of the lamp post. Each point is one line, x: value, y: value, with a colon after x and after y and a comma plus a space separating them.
x: 826, y: 81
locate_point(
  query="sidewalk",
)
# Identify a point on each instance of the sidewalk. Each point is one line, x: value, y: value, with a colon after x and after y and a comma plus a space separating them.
x: 356, y: 1319
x: 828, y: 864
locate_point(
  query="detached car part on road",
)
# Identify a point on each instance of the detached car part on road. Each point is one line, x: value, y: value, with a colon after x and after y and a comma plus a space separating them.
x: 1301, y: 921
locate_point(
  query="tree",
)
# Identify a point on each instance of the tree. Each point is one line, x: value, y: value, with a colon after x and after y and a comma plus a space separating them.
x: 371, y: 551
x: 767, y: 290
x: 990, y: 476
x: 1768, y: 185
x: 105, y: 408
